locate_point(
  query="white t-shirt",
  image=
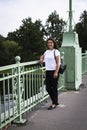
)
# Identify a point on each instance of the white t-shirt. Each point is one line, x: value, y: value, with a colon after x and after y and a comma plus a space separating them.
x: 49, y: 59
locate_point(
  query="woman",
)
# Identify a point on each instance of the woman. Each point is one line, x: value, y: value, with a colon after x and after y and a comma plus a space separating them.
x: 52, y: 63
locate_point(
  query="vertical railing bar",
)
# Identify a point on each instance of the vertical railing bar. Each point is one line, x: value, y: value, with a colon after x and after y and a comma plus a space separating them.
x: 35, y: 84
x: 28, y: 98
x: 40, y: 84
x: 8, y: 98
x: 27, y: 88
x: 13, y: 100
x: 38, y: 87
x: 30, y: 88
x: 4, y: 99
x: 23, y: 90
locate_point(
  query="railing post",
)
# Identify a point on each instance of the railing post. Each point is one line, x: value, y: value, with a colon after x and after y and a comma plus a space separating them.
x: 19, y: 120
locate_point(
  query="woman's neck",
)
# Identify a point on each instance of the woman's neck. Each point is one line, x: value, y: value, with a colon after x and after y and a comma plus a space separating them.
x: 51, y: 49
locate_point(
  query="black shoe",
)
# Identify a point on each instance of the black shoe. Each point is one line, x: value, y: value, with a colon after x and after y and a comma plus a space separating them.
x: 51, y: 107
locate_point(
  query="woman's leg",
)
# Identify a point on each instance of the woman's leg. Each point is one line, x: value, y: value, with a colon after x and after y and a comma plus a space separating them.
x: 54, y: 91
x: 51, y: 86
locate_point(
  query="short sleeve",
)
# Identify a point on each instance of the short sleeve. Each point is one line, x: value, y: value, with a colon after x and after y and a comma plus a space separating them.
x: 57, y: 52
x: 44, y: 53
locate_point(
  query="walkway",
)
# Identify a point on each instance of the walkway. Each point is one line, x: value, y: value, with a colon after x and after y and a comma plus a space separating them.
x: 71, y: 114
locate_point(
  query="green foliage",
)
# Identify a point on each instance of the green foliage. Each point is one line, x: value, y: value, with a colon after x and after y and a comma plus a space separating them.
x: 8, y: 51
x: 81, y: 29
x: 30, y: 38
x: 54, y: 26
x: 1, y: 38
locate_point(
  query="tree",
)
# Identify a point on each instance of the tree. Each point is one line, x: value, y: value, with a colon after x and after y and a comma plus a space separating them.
x: 54, y: 26
x: 8, y: 51
x: 1, y: 38
x: 81, y: 29
x: 30, y: 38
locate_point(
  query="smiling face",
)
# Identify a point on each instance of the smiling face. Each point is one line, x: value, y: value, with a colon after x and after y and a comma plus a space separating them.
x: 50, y: 44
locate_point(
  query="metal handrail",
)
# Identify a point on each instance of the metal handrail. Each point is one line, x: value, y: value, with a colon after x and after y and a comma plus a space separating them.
x: 22, y: 87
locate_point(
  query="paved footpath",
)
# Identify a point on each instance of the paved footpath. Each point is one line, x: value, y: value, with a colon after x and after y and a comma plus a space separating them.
x: 71, y: 114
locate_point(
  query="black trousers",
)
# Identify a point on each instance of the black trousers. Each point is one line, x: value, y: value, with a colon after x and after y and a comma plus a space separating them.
x: 51, y: 86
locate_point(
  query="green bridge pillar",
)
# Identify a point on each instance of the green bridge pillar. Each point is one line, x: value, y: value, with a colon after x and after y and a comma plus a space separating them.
x: 72, y: 57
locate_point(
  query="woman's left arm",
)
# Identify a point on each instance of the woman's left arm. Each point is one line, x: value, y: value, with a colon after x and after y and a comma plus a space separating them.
x: 57, y: 66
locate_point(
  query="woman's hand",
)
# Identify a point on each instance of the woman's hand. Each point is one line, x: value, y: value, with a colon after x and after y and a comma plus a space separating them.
x: 55, y: 75
x: 41, y: 61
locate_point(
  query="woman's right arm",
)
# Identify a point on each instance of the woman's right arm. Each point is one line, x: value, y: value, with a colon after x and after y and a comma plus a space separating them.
x: 41, y: 59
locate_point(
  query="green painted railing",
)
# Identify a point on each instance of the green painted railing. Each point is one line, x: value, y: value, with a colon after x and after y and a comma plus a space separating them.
x: 84, y: 63
x: 22, y: 87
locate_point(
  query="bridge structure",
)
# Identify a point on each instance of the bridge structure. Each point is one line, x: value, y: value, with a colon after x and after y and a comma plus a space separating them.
x: 22, y: 85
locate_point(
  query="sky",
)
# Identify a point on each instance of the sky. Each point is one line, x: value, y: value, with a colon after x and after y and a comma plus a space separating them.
x: 12, y: 12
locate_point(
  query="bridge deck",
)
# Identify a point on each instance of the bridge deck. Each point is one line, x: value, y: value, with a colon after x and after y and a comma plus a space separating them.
x: 71, y: 114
